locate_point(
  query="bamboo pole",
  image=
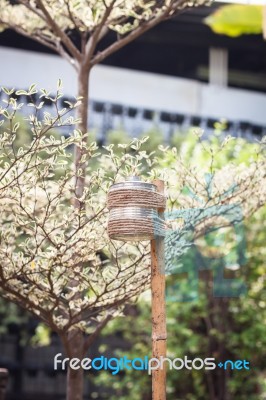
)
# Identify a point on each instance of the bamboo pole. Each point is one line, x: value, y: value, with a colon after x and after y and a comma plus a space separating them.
x: 159, y: 333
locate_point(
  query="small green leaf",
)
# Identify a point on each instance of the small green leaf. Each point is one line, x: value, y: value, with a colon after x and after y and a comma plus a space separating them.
x: 15, y: 127
x: 21, y: 93
x: 32, y: 89
x: 59, y: 84
x: 8, y: 91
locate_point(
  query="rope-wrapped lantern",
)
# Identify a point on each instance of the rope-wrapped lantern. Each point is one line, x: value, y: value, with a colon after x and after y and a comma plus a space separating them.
x: 133, y: 206
x: 136, y: 213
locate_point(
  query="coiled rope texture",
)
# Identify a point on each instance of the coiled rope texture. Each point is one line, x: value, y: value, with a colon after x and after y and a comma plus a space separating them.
x: 131, y: 223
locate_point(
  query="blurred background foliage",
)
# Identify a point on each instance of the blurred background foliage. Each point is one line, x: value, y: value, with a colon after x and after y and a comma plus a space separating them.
x: 224, y: 328
x: 237, y: 19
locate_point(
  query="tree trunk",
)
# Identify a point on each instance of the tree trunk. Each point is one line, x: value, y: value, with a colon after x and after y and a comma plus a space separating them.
x: 83, y: 115
x: 75, y: 378
x: 3, y: 382
x: 75, y: 339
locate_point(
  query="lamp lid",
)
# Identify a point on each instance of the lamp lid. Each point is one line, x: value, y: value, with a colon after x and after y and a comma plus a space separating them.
x: 134, y: 182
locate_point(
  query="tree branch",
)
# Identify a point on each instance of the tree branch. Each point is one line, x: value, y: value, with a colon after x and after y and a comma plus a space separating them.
x: 88, y: 342
x: 59, y: 32
x: 145, y: 26
x: 21, y: 31
x: 93, y: 40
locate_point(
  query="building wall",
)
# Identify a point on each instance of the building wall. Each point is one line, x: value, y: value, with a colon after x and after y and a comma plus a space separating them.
x: 19, y: 69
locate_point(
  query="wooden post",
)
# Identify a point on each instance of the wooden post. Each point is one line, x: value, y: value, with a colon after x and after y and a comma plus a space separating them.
x: 3, y: 383
x: 159, y: 334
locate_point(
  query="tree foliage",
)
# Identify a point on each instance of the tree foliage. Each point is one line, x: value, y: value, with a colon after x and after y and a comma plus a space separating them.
x: 51, y: 22
x: 44, y: 239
